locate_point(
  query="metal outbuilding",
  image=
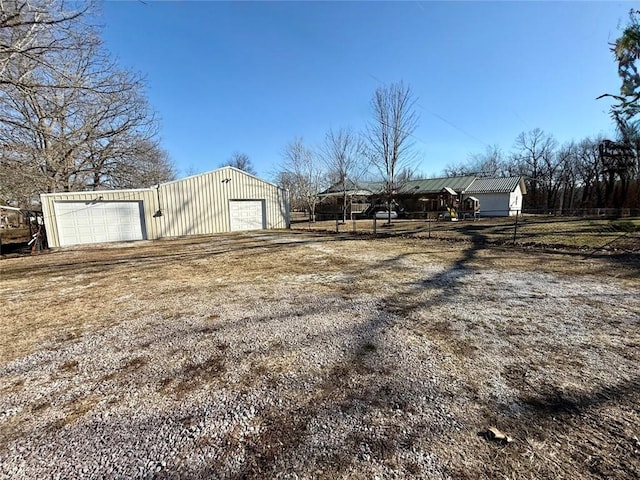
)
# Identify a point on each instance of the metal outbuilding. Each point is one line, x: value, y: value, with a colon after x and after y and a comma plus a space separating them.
x: 498, y: 196
x: 224, y: 200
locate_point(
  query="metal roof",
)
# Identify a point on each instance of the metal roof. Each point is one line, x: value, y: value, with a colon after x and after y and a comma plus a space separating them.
x: 466, y: 184
x: 350, y: 193
x: 436, y: 185
x: 213, y: 172
x: 496, y: 185
x: 373, y: 187
x: 353, y: 188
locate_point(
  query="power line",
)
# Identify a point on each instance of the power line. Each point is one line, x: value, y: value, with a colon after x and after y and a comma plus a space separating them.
x: 451, y: 124
x: 440, y: 117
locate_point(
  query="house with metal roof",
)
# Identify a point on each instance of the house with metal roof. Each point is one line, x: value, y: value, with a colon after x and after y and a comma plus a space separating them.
x: 431, y: 196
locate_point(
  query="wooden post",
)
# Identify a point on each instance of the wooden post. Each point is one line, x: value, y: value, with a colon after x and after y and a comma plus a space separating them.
x: 375, y: 219
x: 337, y: 223
x: 429, y: 223
x: 515, y: 229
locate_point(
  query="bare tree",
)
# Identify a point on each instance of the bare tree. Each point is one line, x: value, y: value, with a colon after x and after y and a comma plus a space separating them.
x: 389, y: 134
x: 535, y: 157
x: 490, y: 163
x: 76, y: 135
x: 17, y: 186
x: 342, y: 154
x: 288, y: 181
x: 144, y: 164
x: 567, y: 177
x: 241, y: 161
x: 76, y: 121
x: 588, y: 172
x: 31, y: 31
x: 304, y: 174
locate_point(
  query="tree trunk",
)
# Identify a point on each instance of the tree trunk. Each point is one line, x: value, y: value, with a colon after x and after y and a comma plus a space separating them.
x: 344, y: 205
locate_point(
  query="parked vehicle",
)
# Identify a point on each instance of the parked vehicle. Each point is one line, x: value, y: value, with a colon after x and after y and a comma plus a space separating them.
x: 382, y: 214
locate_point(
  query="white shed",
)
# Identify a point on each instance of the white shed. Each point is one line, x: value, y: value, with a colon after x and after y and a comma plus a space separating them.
x: 224, y: 200
x: 499, y: 197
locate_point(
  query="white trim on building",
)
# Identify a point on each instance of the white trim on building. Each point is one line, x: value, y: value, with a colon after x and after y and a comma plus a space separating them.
x: 197, y: 205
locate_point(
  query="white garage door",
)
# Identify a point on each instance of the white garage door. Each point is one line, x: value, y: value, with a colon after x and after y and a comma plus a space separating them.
x: 246, y: 215
x: 82, y: 222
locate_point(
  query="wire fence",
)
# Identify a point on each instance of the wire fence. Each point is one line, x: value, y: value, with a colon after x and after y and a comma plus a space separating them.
x: 586, y: 230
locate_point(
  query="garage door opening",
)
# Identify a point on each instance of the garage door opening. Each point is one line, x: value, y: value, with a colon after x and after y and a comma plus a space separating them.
x: 98, y: 222
x: 247, y: 215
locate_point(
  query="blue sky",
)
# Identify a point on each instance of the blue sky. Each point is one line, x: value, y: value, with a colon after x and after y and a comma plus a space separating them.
x: 252, y: 76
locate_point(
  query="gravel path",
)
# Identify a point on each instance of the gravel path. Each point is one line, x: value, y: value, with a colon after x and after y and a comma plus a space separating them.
x: 312, y: 373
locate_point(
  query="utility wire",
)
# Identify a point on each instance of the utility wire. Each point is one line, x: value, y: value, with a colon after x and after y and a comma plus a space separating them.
x: 440, y: 117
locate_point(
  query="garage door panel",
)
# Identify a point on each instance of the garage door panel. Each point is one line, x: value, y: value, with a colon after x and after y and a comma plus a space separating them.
x: 246, y: 215
x: 86, y: 222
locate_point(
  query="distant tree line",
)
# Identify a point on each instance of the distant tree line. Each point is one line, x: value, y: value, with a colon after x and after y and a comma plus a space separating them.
x: 594, y: 172
x: 590, y: 173
x: 70, y: 117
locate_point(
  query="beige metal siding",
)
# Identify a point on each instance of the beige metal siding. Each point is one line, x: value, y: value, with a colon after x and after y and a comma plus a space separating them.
x: 199, y: 205
x: 147, y: 196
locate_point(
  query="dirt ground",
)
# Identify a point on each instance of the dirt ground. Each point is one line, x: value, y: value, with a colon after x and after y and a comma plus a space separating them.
x: 319, y: 356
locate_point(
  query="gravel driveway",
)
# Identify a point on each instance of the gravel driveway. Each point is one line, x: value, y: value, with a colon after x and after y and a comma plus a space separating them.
x: 314, y: 356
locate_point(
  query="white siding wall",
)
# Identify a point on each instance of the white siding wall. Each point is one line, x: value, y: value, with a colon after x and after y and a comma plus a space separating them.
x: 515, y: 201
x: 499, y: 204
x: 493, y: 204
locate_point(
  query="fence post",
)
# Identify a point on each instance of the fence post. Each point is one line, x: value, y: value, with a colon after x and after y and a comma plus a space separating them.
x: 353, y: 220
x: 337, y: 223
x: 375, y: 230
x: 429, y: 223
x: 515, y: 229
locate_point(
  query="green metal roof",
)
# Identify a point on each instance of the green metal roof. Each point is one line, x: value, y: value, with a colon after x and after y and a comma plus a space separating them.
x: 353, y: 188
x: 467, y: 184
x: 496, y: 185
x: 435, y: 185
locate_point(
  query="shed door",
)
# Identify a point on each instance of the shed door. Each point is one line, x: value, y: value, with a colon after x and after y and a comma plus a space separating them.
x: 104, y: 221
x: 246, y: 215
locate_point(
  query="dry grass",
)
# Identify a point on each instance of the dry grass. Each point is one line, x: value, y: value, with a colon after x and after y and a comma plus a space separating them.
x: 74, y: 410
x: 566, y: 390
x: 532, y: 230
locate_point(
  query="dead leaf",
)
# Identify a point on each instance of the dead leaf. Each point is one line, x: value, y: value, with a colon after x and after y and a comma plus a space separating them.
x: 492, y: 433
